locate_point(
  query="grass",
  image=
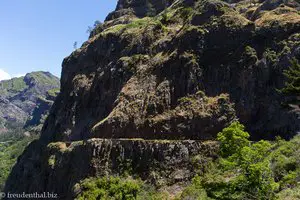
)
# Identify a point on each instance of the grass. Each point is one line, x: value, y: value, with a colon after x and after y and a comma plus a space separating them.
x: 135, y: 27
x: 136, y: 24
x: 53, y: 92
x: 113, y: 29
x: 139, y: 23
x: 278, y: 18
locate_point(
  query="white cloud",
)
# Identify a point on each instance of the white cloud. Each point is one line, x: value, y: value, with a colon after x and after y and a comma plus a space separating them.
x: 18, y: 75
x: 4, y: 75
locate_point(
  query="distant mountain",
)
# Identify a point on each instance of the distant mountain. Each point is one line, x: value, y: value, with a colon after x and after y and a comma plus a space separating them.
x: 25, y: 101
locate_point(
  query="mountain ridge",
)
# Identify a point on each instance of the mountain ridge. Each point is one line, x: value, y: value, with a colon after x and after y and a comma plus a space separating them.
x: 19, y: 96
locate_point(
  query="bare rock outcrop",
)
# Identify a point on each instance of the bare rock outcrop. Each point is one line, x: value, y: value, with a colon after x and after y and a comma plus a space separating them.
x: 58, y: 167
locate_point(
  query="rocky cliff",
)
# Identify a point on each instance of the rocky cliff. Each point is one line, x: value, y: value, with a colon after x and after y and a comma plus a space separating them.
x: 26, y: 100
x: 60, y: 166
x: 139, y: 8
x: 141, y: 79
x: 172, y: 70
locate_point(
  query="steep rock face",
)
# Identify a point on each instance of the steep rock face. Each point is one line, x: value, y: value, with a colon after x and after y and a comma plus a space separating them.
x: 41, y: 111
x: 59, y: 166
x: 11, y: 112
x: 20, y: 97
x: 195, y: 117
x: 126, y: 77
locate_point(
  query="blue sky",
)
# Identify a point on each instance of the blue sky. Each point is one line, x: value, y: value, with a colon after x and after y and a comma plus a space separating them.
x: 36, y: 35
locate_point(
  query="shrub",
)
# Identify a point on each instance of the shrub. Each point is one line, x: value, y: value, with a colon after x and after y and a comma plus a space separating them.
x: 292, y: 86
x: 109, y: 188
x: 233, y: 139
x: 285, y: 163
x: 195, y: 191
x: 256, y: 176
x: 244, y: 169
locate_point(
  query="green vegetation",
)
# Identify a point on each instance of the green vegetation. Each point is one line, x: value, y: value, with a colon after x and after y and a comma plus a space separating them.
x: 195, y: 191
x: 245, y: 170
x: 285, y: 163
x: 109, y: 188
x: 54, y: 92
x: 116, y: 188
x: 233, y: 139
x: 289, y: 194
x: 13, y: 85
x: 292, y: 86
x: 93, y: 28
x: 12, y: 144
x: 186, y: 13
x: 16, y: 85
x: 281, y: 17
x: 44, y: 78
x: 250, y: 55
x: 187, y: 99
x: 51, y: 161
x: 113, y: 29
x: 170, y: 16
x: 135, y: 25
x: 139, y: 23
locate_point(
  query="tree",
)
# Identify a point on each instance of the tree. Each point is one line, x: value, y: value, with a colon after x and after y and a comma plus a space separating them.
x: 233, y: 139
x: 89, y: 30
x: 92, y: 28
x: 255, y: 177
x: 250, y: 164
x: 75, y: 45
x: 96, y: 23
x: 292, y: 86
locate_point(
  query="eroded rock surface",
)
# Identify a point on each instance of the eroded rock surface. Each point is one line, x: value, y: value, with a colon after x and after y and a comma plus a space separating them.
x: 59, y: 166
